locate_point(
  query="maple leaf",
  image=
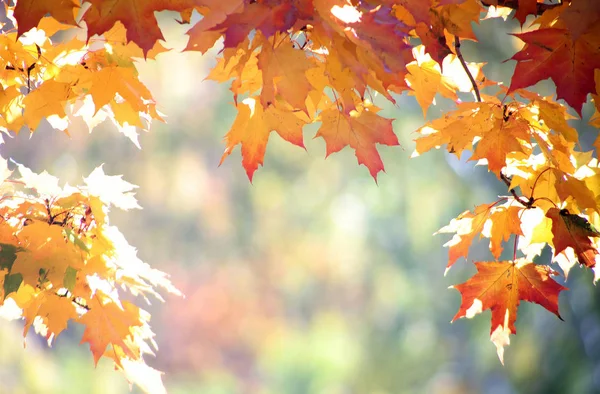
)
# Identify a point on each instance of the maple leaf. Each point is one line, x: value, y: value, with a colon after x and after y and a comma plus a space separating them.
x: 111, y: 189
x: 203, y: 34
x: 28, y: 13
x: 457, y: 17
x: 573, y: 231
x: 426, y: 80
x: 268, y: 17
x: 110, y: 80
x: 505, y: 137
x: 136, y: 15
x: 495, y: 222
x: 108, y: 324
x: 382, y: 34
x: 46, y: 256
x: 284, y: 72
x: 500, y: 287
x: 54, y: 311
x: 361, y: 129
x: 458, y: 128
x: 48, y: 99
x: 526, y: 7
x: 252, y: 128
x: 552, y: 53
x: 505, y: 222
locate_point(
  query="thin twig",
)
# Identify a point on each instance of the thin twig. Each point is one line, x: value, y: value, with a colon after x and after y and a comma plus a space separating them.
x: 464, y: 64
x: 514, y: 4
x: 527, y: 204
x: 74, y: 300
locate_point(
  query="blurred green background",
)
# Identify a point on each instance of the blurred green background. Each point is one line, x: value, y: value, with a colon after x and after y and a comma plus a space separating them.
x: 314, y: 279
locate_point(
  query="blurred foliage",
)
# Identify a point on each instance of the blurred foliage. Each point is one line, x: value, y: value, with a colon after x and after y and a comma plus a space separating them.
x: 314, y: 279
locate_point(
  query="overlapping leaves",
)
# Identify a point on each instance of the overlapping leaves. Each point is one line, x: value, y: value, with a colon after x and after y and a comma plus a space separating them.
x: 292, y: 63
x: 62, y: 263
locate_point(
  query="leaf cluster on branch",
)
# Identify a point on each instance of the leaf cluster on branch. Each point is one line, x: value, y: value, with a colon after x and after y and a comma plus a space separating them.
x: 289, y: 64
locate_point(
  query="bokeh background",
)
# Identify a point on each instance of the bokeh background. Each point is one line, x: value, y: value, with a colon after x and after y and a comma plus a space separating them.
x: 313, y: 279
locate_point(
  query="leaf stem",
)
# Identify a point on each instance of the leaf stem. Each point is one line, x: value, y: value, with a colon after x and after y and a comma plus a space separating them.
x: 464, y: 64
x: 546, y: 199
x: 515, y: 247
x: 536, y: 180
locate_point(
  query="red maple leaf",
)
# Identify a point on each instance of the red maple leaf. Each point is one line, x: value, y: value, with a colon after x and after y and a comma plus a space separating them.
x: 136, y: 15
x: 552, y: 53
x: 28, y: 13
x: 573, y: 231
x: 500, y: 287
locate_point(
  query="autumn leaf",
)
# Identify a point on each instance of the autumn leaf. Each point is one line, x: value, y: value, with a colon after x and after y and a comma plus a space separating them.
x: 30, y: 12
x: 252, y: 127
x: 362, y: 129
x: 500, y: 287
x: 106, y: 323
x: 426, y: 80
x: 505, y: 222
x: 54, y: 311
x: 268, y: 17
x: 47, y: 100
x: 505, y: 137
x: 204, y: 34
x: 289, y: 64
x: 46, y: 255
x: 552, y: 53
x: 136, y: 15
x: 457, y: 129
x: 573, y: 231
x: 277, y: 65
x: 465, y: 227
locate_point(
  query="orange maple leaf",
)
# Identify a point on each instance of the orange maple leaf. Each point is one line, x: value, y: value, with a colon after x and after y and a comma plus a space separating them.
x: 465, y: 227
x: 284, y: 73
x: 505, y: 222
x: 573, y: 231
x: 108, y: 324
x: 50, y: 98
x: 252, y: 128
x: 500, y: 287
x: 507, y: 136
x: 361, y: 129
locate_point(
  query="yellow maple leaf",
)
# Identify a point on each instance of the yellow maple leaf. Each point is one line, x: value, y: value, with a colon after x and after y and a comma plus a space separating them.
x: 48, y: 99
x: 426, y: 80
x: 46, y: 255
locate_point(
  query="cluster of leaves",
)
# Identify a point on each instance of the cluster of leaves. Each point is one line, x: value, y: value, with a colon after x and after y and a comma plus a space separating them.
x: 61, y: 261
x: 293, y: 63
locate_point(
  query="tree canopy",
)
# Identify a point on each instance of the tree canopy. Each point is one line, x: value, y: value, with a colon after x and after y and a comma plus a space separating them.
x: 291, y: 64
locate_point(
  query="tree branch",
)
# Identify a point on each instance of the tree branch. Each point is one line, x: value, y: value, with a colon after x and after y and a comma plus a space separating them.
x: 464, y: 64
x: 526, y: 203
x: 514, y: 4
x: 74, y: 300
